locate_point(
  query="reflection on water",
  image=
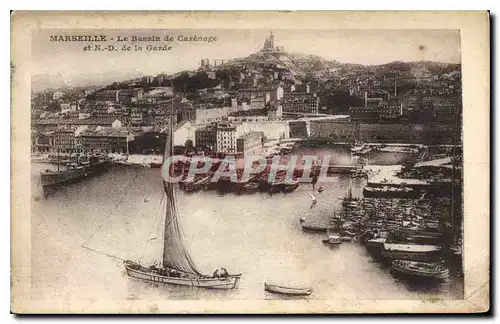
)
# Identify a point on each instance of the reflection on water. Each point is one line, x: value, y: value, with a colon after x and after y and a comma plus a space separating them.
x: 258, y: 235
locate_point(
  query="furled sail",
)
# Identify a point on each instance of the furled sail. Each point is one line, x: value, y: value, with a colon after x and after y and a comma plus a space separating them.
x: 175, y: 254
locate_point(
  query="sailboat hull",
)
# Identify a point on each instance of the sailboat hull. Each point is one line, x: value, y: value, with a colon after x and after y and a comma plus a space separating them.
x: 139, y: 272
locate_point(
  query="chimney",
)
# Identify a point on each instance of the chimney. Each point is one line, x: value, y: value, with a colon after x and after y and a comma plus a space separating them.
x: 366, y: 99
x: 395, y: 88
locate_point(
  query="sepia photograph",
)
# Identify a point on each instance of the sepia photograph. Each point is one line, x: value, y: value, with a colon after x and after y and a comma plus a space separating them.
x: 274, y: 168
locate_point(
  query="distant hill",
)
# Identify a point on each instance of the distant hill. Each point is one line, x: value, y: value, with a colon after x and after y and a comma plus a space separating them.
x: 57, y: 81
x: 297, y: 67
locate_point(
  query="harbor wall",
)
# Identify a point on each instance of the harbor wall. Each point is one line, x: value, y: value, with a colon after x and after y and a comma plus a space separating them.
x: 344, y: 131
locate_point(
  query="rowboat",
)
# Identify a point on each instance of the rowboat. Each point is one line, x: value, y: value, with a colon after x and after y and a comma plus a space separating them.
x: 332, y: 240
x: 428, y: 271
x: 276, y: 289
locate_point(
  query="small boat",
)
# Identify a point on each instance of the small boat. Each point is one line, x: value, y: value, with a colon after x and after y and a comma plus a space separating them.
x: 412, y: 252
x: 290, y: 186
x: 429, y: 271
x: 197, y: 185
x: 332, y: 240
x: 346, y: 238
x: 318, y: 228
x: 391, y: 192
x: 276, y: 289
x: 252, y: 187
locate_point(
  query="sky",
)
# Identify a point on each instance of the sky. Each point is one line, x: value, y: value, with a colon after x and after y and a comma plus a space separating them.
x: 68, y: 61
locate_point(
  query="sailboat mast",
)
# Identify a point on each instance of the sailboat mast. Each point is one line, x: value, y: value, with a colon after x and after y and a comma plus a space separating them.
x: 57, y: 148
x: 453, y: 170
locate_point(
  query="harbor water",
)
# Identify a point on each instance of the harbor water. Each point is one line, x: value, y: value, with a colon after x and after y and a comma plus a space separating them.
x: 258, y: 235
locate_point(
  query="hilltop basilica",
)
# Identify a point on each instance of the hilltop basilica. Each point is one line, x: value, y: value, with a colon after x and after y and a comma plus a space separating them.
x: 269, y: 45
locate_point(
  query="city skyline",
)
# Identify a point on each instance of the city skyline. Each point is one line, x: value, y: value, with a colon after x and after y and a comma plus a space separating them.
x: 66, y: 62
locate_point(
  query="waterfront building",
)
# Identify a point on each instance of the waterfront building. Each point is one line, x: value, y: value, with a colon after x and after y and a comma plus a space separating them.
x: 105, y: 140
x: 227, y: 133
x: 64, y: 139
x: 249, y: 143
x: 206, y: 138
x: 42, y: 142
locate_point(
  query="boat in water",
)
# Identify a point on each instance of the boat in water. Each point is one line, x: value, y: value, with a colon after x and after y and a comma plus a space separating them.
x: 196, y: 185
x: 332, y: 239
x: 426, y: 271
x: 289, y: 186
x: 72, y: 172
x: 391, y: 192
x: 173, y: 264
x: 277, y: 289
x: 412, y: 252
x: 309, y: 226
x: 251, y: 187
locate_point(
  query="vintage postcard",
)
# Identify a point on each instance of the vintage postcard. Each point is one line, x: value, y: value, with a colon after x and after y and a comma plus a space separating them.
x: 250, y: 162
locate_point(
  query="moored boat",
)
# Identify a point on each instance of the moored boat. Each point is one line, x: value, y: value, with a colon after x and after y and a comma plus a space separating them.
x: 73, y: 172
x: 346, y: 238
x: 290, y: 186
x: 428, y: 271
x: 277, y: 289
x: 174, y: 277
x: 391, y: 191
x: 172, y: 262
x: 252, y: 187
x: 332, y: 240
x: 311, y: 227
x: 413, y: 252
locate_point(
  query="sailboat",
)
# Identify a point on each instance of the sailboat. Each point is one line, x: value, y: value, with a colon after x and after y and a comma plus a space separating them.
x: 175, y: 265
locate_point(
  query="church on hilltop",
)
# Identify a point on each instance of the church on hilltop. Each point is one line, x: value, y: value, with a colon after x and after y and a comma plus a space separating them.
x: 269, y: 45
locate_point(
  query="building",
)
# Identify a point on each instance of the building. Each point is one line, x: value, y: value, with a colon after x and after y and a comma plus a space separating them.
x: 136, y: 118
x: 105, y: 140
x: 269, y: 45
x: 206, y: 138
x: 363, y: 113
x: 42, y: 142
x: 227, y: 133
x: 253, y: 115
x: 249, y: 143
x: 64, y: 140
x: 391, y: 110
x: 157, y: 95
x: 210, y: 115
x: 300, y: 102
x: 110, y: 96
x: 129, y: 96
